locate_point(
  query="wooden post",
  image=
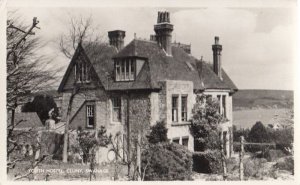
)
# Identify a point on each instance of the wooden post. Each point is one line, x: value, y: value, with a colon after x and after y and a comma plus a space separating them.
x: 223, y: 158
x: 241, y: 159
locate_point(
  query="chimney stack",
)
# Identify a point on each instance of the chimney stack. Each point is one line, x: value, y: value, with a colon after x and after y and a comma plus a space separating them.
x: 217, y: 48
x: 116, y: 39
x: 163, y: 30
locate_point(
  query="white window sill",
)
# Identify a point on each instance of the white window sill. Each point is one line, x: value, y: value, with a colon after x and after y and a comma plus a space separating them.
x: 115, y: 123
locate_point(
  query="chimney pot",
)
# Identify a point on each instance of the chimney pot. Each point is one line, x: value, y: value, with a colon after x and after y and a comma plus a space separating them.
x: 116, y: 38
x: 163, y: 30
x: 217, y: 49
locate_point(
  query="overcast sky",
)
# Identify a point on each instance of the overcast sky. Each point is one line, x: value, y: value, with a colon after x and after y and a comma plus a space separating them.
x: 259, y: 44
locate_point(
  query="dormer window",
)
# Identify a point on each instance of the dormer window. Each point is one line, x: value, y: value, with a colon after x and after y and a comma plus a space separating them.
x: 125, y: 69
x: 82, y: 72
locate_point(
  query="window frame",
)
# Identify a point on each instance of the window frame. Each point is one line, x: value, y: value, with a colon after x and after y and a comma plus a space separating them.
x: 184, y: 108
x: 125, y: 69
x: 82, y: 72
x: 175, y: 108
x: 112, y: 100
x: 184, y: 138
x: 93, y: 116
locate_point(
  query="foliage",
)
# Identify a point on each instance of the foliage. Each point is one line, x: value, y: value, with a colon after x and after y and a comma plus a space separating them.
x: 207, y: 162
x: 254, y: 167
x: 158, y: 133
x: 272, y: 155
x: 167, y: 161
x: 286, y: 164
x: 258, y: 133
x: 204, y: 123
x: 89, y: 142
x: 42, y: 104
x: 283, y: 138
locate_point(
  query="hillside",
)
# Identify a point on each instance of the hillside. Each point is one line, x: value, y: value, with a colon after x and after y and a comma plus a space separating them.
x: 253, y: 99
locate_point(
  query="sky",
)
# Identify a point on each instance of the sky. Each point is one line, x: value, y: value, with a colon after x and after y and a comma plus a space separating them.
x: 259, y: 43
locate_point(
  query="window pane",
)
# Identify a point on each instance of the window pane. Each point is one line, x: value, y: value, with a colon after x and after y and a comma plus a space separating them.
x: 176, y: 140
x: 184, y: 108
x: 224, y: 105
x: 116, y: 109
x: 127, y: 69
x: 219, y: 100
x: 118, y: 70
x: 90, y: 116
x: 132, y: 71
x: 175, y: 108
x: 122, y: 70
x: 185, y: 141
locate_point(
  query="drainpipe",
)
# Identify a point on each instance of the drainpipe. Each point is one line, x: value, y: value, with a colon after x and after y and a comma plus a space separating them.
x: 128, y: 133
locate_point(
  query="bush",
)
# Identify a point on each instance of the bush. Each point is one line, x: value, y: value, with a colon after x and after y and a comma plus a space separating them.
x: 257, y: 134
x: 283, y: 138
x: 158, y: 133
x: 254, y: 167
x: 167, y: 161
x: 207, y: 162
x: 272, y: 155
x: 286, y: 163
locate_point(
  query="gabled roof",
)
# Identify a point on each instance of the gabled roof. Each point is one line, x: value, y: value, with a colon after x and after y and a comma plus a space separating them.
x: 26, y: 120
x: 157, y: 67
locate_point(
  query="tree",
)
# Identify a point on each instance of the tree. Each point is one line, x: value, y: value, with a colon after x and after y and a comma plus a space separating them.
x: 162, y: 160
x: 42, y: 104
x: 27, y: 72
x: 205, y: 123
x: 258, y: 133
x: 206, y: 131
x: 158, y: 133
x: 80, y: 33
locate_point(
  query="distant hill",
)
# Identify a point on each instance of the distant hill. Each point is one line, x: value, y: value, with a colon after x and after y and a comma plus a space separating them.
x: 253, y: 99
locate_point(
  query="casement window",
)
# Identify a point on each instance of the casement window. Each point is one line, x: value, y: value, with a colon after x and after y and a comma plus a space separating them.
x: 125, y: 70
x: 82, y: 72
x: 116, y: 109
x: 183, y: 108
x: 185, y: 141
x: 175, y: 108
x: 224, y: 106
x: 90, y: 116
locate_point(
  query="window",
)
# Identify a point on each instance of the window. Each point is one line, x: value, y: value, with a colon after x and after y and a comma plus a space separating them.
x: 125, y: 70
x: 224, y: 106
x: 184, y: 108
x: 185, y: 141
x: 90, y: 115
x: 116, y: 109
x: 175, y: 140
x: 219, y: 100
x: 175, y: 108
x: 82, y: 72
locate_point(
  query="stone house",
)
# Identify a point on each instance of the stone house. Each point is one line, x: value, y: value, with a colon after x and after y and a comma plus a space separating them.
x: 144, y: 81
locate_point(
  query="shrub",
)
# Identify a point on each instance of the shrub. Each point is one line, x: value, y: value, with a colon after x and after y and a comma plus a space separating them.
x: 167, y: 161
x: 158, y: 133
x: 254, y: 167
x: 286, y: 163
x: 283, y: 138
x: 257, y: 134
x: 207, y: 162
x: 272, y: 155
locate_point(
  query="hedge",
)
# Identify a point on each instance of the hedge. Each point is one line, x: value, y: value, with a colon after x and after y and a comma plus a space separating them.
x: 167, y: 161
x: 208, y: 161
